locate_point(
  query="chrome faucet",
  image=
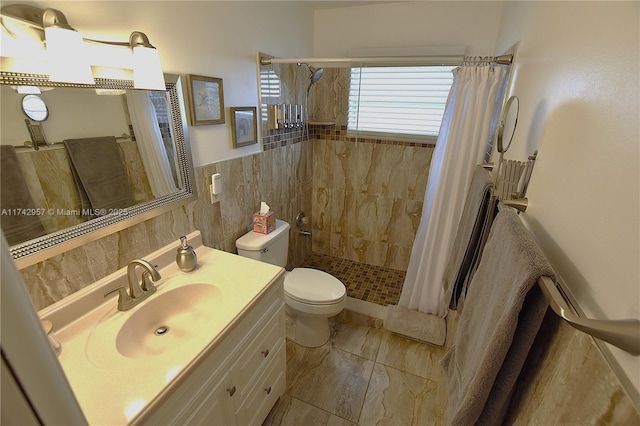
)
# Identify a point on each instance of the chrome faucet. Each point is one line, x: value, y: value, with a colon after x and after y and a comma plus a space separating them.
x: 139, y: 289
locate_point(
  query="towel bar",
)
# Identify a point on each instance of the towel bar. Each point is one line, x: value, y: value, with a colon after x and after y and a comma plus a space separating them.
x: 60, y: 145
x: 625, y: 334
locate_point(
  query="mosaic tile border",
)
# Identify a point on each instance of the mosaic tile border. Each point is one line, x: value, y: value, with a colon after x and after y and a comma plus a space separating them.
x: 272, y: 139
x: 339, y: 133
x: 277, y: 138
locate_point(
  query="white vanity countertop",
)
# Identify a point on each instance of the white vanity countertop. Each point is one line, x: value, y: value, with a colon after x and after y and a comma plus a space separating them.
x: 113, y: 389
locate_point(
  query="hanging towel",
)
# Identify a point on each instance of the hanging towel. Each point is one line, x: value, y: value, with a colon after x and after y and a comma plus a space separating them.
x: 20, y: 221
x: 500, y: 319
x: 100, y: 173
x: 467, y: 245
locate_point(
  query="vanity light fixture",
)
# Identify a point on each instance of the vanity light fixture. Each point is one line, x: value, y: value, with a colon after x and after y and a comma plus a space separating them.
x: 68, y: 54
x: 65, y: 50
x: 28, y: 90
x: 147, y: 71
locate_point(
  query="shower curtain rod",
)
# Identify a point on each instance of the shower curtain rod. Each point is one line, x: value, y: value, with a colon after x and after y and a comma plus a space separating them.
x: 417, y: 60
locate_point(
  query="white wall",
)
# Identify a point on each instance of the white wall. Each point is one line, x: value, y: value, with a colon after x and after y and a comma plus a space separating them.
x: 411, y: 24
x: 577, y: 77
x: 73, y: 113
x: 218, y: 39
x: 576, y: 74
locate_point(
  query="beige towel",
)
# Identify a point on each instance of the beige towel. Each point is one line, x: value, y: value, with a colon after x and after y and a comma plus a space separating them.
x: 100, y: 173
x: 20, y: 219
x: 417, y: 325
x: 467, y: 245
x: 501, y: 317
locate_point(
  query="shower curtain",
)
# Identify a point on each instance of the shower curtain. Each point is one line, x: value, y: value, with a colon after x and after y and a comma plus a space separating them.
x: 471, y: 112
x: 150, y: 144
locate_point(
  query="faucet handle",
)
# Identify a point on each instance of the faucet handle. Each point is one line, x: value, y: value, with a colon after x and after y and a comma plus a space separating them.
x: 124, y: 299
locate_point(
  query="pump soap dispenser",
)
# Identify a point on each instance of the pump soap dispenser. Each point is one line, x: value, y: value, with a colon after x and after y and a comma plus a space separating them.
x: 186, y: 257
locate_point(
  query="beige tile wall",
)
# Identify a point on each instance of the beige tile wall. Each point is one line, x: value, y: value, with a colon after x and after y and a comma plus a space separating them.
x: 566, y: 380
x: 51, y: 184
x: 367, y: 197
x: 267, y: 176
x: 367, y: 194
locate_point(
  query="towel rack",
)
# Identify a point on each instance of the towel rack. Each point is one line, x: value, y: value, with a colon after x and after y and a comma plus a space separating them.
x: 60, y: 145
x: 625, y: 334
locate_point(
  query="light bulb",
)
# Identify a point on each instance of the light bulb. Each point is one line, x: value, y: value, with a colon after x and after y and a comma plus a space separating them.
x: 66, y: 56
x: 147, y: 71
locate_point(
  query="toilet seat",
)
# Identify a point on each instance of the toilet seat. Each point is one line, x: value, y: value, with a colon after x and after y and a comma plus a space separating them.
x: 313, y: 287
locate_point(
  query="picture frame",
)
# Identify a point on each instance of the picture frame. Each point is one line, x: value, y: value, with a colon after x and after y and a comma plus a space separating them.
x: 206, y: 100
x: 244, y: 127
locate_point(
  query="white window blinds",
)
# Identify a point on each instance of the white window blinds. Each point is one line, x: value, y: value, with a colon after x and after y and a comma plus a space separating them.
x: 270, y: 90
x: 398, y: 102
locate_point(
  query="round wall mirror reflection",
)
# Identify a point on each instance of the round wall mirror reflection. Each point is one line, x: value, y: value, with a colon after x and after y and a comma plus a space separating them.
x: 508, y: 123
x: 35, y: 108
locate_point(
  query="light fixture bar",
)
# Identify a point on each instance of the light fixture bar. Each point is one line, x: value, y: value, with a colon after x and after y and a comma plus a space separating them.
x: 66, y: 48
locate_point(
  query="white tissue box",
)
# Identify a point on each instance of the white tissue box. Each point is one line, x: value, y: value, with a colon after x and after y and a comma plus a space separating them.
x: 264, y: 223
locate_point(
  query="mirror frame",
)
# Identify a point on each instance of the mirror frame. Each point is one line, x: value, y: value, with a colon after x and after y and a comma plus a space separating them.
x: 512, y: 102
x: 42, y: 248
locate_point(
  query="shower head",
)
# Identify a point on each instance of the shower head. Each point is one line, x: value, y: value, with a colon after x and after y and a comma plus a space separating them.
x: 315, y: 75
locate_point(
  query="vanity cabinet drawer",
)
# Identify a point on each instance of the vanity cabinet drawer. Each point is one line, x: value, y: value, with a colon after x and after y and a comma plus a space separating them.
x: 214, y: 408
x: 220, y: 387
x: 265, y: 390
x: 263, y: 344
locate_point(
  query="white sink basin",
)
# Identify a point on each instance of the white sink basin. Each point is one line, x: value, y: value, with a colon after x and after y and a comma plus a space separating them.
x: 169, y: 320
x: 116, y: 363
x: 178, y: 317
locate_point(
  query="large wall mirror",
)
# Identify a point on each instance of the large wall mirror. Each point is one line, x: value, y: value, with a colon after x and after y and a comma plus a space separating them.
x: 106, y: 158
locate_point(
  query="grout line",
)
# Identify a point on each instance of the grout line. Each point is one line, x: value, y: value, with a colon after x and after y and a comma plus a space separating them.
x: 374, y: 284
x: 322, y: 409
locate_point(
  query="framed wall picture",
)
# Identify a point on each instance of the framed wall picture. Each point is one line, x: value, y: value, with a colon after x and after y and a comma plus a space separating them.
x: 244, y: 128
x: 206, y: 100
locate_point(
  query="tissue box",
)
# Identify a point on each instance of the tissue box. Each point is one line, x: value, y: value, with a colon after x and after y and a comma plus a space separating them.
x: 264, y: 223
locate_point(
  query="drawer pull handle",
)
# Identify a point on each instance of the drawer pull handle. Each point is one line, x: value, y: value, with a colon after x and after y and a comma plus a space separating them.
x: 231, y: 390
x: 265, y: 353
x: 267, y: 390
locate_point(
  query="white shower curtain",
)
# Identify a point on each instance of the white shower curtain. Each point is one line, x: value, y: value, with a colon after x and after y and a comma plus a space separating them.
x: 464, y: 133
x: 150, y: 144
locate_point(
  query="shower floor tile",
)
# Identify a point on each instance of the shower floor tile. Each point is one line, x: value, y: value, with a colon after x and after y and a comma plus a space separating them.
x: 370, y: 283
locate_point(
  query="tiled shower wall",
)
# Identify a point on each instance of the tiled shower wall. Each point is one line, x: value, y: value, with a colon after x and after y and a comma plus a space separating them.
x: 367, y: 193
x: 266, y: 176
x: 367, y: 198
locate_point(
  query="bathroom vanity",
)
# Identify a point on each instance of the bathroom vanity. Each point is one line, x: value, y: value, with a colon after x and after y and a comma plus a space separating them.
x: 207, y: 348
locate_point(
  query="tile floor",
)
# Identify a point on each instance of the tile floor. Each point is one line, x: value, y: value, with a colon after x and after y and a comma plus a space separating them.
x: 370, y: 283
x: 365, y: 376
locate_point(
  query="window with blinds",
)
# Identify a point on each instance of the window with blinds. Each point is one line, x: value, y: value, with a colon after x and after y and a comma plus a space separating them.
x: 270, y: 90
x: 398, y: 102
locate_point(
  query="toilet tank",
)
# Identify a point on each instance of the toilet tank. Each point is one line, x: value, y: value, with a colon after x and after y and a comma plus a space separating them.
x: 271, y: 248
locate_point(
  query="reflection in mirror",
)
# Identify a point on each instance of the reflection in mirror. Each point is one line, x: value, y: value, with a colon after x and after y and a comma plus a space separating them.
x: 508, y: 123
x: 113, y: 161
x: 35, y: 108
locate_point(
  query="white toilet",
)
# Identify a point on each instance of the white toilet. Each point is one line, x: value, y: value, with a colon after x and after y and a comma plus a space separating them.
x: 311, y: 296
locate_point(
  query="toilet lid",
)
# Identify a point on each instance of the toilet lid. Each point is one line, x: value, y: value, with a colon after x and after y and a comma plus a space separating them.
x: 312, y: 286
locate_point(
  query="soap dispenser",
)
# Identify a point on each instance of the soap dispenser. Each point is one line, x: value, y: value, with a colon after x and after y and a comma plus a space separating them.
x: 186, y: 257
